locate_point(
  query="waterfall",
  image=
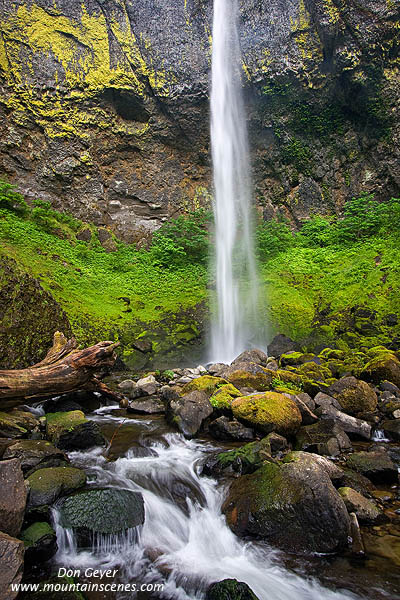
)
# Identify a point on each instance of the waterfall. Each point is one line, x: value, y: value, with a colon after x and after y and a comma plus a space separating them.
x: 234, y: 321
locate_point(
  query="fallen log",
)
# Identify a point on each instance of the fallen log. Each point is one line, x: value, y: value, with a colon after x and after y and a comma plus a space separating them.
x: 64, y: 369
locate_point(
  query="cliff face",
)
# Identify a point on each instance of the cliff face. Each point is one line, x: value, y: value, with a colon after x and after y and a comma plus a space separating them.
x: 104, y: 104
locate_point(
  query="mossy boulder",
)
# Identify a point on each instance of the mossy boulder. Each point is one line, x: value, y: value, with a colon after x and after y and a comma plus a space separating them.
x: 293, y: 506
x: 313, y: 371
x: 17, y: 424
x: 206, y: 383
x: 222, y: 397
x: 230, y: 589
x: 384, y: 365
x: 36, y: 454
x: 392, y: 429
x: 354, y: 396
x: 40, y: 542
x: 260, y: 381
x: 295, y: 358
x: 101, y: 511
x: 377, y: 466
x: 365, y: 510
x: 46, y: 485
x: 268, y: 412
x: 331, y: 353
x: 71, y: 430
x: 243, y: 460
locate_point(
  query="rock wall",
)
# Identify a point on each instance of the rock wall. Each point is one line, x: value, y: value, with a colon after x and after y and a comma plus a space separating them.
x: 104, y: 104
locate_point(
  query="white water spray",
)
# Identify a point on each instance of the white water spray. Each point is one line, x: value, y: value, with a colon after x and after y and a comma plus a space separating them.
x: 235, y: 316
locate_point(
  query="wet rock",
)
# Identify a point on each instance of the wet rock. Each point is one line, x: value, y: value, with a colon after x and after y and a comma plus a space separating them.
x: 216, y: 369
x: 268, y: 412
x: 72, y: 431
x: 17, y: 424
x: 251, y: 356
x: 188, y: 412
x: 277, y: 442
x: 307, y: 400
x: 365, y: 510
x: 12, y: 497
x: 357, y: 546
x: 307, y: 416
x: 243, y: 460
x: 388, y: 386
x: 168, y: 393
x: 40, y: 543
x: 60, y: 405
x: 377, y: 466
x: 348, y: 423
x: 12, y: 564
x: 334, y: 472
x: 102, y: 511
x: 147, y: 406
x: 262, y: 505
x: 36, y: 454
x: 392, y: 429
x: 325, y: 401
x: 46, y: 485
x: 227, y: 429
x: 281, y: 344
x: 325, y: 437
x: 357, y: 482
x: 230, y: 589
x: 354, y: 395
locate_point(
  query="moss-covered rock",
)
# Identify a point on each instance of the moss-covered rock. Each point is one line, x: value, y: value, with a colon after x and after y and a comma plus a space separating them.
x: 230, y: 589
x: 222, y: 397
x: 260, y: 381
x: 40, y: 542
x: 313, y: 371
x: 264, y: 503
x: 377, y: 466
x: 392, y: 429
x: 295, y: 358
x: 71, y: 430
x: 246, y: 459
x: 102, y: 511
x: 384, y: 365
x: 17, y: 424
x: 206, y: 383
x: 29, y: 317
x: 354, y: 396
x: 46, y: 485
x: 35, y: 454
x: 268, y: 412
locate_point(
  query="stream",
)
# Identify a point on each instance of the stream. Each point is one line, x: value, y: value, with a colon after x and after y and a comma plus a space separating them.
x: 184, y: 542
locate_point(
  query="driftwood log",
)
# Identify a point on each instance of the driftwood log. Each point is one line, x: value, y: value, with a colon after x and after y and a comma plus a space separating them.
x: 64, y: 369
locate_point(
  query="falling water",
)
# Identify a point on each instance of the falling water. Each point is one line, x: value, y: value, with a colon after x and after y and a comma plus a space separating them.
x: 235, y: 314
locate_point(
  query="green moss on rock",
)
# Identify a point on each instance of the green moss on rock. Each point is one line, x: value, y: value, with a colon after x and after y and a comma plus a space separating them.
x: 222, y: 398
x: 33, y: 534
x: 268, y: 412
x: 206, y: 383
x: 46, y: 485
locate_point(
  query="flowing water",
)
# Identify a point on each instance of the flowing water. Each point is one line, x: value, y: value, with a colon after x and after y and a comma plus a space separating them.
x: 235, y: 320
x: 184, y: 542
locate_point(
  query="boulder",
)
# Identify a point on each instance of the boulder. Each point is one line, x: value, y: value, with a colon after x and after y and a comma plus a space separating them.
x: 101, y: 511
x: 146, y: 406
x: 388, y: 386
x: 268, y: 412
x: 282, y: 344
x: 357, y: 482
x: 307, y: 400
x: 46, y: 485
x: 246, y: 459
x: 365, y: 510
x: 325, y: 401
x: 296, y: 358
x: 205, y: 383
x: 36, y: 454
x: 293, y: 506
x: 251, y: 356
x: 334, y: 472
x: 249, y: 376
x: 40, y: 543
x: 353, y: 395
x: 17, y: 424
x: 147, y: 385
x: 72, y: 431
x: 325, y: 437
x: 377, y: 466
x: 392, y: 429
x: 348, y: 423
x: 277, y: 442
x: 188, y: 412
x: 223, y: 396
x: 60, y: 405
x: 224, y: 428
x: 307, y: 416
x: 383, y: 366
x: 230, y: 589
x: 13, y: 496
x: 12, y: 564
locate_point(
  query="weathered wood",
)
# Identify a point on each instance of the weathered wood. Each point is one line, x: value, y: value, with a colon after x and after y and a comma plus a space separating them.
x: 64, y: 369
